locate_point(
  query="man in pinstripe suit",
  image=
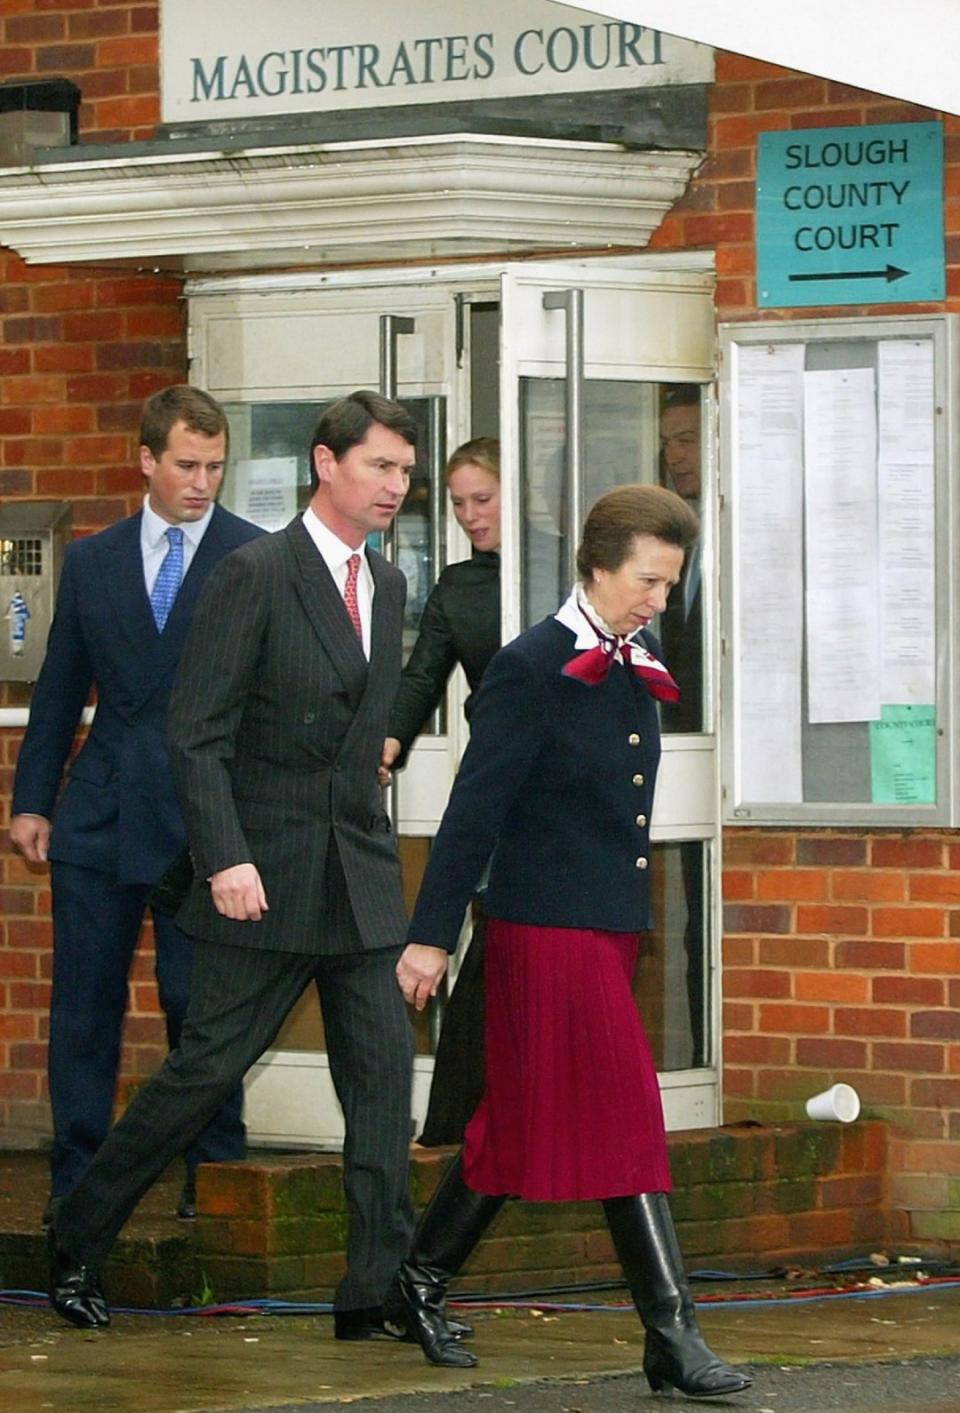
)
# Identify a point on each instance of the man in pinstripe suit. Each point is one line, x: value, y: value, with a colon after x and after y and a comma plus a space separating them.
x: 277, y: 721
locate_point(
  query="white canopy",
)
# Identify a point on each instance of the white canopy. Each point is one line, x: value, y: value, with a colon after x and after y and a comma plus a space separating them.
x: 907, y: 51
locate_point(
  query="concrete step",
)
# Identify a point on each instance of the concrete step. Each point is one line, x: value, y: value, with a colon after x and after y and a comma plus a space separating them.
x: 746, y: 1197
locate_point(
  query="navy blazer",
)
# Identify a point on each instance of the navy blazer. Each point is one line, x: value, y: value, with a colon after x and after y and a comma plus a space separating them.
x: 118, y: 813
x: 557, y: 782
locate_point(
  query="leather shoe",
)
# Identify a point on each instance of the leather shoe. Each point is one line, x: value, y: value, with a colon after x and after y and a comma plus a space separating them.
x: 361, y: 1324
x: 187, y: 1205
x: 370, y: 1324
x: 75, y: 1291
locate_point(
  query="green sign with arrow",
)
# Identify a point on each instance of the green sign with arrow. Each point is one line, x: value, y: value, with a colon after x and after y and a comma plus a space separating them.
x: 850, y: 215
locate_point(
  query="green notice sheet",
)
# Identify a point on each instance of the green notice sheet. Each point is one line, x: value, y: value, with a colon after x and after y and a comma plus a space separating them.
x: 903, y: 756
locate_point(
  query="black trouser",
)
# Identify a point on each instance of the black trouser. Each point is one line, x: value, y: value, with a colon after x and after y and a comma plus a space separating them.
x: 240, y: 998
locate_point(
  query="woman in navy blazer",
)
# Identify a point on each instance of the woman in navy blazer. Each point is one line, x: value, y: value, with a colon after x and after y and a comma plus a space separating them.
x: 558, y: 782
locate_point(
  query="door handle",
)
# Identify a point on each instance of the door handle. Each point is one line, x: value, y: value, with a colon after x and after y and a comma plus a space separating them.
x: 571, y: 302
x: 391, y: 327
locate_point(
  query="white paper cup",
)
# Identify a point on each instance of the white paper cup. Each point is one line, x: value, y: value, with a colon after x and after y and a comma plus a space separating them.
x: 840, y: 1103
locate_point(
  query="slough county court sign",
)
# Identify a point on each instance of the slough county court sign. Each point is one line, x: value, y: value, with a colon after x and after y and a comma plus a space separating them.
x: 253, y: 58
x: 850, y: 215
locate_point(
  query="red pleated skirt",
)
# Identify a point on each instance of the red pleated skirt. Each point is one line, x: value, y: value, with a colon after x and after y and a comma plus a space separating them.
x: 571, y: 1108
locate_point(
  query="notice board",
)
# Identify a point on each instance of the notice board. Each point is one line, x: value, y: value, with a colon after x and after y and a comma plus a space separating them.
x: 837, y: 503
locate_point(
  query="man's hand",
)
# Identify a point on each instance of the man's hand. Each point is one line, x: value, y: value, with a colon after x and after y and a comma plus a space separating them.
x: 238, y: 893
x: 391, y: 749
x: 30, y: 835
x: 419, y: 972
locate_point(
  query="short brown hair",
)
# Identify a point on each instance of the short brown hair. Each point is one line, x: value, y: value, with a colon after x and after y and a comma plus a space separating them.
x: 346, y: 422
x: 481, y: 451
x: 196, y: 409
x: 618, y: 517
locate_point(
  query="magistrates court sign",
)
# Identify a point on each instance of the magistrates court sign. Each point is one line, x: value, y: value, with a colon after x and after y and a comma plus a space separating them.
x: 247, y: 58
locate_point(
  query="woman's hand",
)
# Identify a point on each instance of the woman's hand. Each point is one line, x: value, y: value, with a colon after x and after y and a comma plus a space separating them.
x: 391, y: 749
x: 419, y: 972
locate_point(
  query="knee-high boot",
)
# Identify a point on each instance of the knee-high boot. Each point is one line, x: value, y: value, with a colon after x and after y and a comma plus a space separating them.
x: 676, y: 1354
x: 449, y: 1229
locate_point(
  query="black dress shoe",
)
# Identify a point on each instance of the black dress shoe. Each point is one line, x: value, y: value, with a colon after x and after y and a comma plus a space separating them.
x: 75, y: 1291
x: 187, y: 1206
x: 361, y: 1324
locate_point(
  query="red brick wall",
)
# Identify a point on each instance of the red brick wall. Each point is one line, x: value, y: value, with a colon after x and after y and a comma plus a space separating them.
x: 109, y: 50
x: 80, y: 349
x: 841, y: 958
x: 841, y: 949
x: 717, y: 211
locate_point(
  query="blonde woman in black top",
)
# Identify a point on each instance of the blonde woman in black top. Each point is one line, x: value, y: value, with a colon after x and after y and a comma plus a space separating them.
x: 460, y: 624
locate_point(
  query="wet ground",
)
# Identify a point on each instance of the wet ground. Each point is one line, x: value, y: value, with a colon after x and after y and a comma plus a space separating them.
x: 898, y: 1349
x: 197, y: 1364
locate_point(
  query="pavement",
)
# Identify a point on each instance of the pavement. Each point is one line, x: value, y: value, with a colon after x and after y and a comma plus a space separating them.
x: 898, y: 1351
x: 895, y: 1347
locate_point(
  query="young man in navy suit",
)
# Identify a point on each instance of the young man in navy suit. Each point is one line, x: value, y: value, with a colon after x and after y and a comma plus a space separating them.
x: 124, y: 605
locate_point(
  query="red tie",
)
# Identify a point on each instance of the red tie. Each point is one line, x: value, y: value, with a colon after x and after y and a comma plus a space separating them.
x: 350, y: 594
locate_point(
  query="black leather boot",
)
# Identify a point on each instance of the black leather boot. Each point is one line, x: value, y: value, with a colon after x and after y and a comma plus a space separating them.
x: 449, y: 1229
x: 676, y: 1354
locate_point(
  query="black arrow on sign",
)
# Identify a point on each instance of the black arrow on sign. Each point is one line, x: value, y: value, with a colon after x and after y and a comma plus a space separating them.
x: 891, y: 273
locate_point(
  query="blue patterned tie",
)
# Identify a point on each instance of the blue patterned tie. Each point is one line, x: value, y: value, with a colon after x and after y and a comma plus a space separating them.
x: 167, y: 583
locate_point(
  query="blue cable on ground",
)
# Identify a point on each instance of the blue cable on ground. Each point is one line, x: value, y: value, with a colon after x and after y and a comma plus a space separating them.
x: 35, y: 1299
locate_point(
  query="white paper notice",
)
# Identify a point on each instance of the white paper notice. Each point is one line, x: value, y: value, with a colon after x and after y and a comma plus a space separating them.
x: 768, y: 504
x: 843, y: 585
x: 907, y: 522
x: 267, y: 491
x: 905, y: 370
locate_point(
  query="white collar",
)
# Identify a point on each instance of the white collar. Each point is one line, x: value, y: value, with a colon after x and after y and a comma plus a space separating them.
x: 334, y: 550
x: 155, y: 527
x: 571, y: 614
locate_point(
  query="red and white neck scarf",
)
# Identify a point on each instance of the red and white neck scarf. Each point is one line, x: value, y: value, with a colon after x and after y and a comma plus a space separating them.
x: 598, y: 648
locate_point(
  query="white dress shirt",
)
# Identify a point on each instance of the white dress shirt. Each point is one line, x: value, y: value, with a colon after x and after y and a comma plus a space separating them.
x: 154, y: 543
x: 335, y: 555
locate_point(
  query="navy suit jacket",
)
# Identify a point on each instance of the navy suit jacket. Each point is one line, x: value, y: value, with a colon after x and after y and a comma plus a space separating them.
x: 118, y: 813
x: 557, y: 782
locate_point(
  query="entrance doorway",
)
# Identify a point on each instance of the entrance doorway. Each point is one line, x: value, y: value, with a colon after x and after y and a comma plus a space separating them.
x: 575, y: 366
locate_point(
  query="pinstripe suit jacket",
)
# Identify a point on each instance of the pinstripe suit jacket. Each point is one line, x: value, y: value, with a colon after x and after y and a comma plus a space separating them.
x: 276, y: 726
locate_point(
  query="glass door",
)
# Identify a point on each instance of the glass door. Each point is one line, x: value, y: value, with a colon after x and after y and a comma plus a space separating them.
x: 508, y: 352
x: 604, y: 380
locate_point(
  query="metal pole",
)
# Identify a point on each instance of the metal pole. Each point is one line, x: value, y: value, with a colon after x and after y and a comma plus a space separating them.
x: 391, y: 327
x: 438, y: 508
